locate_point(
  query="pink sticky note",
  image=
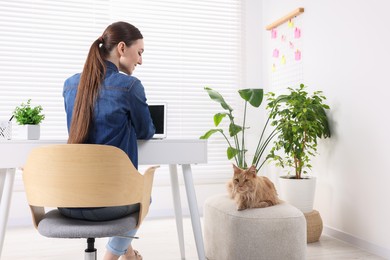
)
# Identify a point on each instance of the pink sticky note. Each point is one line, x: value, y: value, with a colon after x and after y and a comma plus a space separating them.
x: 297, y: 32
x: 274, y: 34
x: 275, y: 53
x: 283, y: 38
x: 297, y: 55
x: 291, y: 45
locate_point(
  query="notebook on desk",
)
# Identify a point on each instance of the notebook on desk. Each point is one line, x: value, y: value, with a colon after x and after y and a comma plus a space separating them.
x: 158, y: 112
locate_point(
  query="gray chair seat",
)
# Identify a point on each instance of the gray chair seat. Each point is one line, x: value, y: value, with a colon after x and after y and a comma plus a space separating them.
x: 55, y: 225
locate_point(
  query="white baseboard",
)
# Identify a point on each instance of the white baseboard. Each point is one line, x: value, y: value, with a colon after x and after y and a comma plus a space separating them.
x: 357, y: 242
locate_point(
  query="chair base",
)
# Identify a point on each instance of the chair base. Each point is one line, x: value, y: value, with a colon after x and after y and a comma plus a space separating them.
x: 91, y: 251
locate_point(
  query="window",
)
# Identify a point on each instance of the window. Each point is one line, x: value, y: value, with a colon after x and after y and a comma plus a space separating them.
x: 188, y: 45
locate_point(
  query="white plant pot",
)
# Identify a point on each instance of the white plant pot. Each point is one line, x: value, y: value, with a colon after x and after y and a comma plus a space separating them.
x: 29, y: 132
x: 298, y: 192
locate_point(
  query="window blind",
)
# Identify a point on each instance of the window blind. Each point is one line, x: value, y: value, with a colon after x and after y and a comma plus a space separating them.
x: 41, y: 44
x: 188, y: 45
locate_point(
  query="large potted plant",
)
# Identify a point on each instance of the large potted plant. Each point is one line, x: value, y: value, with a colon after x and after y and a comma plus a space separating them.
x: 29, y: 118
x: 300, y: 119
x: 235, y: 138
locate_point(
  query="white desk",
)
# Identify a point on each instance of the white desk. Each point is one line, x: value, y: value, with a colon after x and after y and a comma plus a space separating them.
x: 173, y: 152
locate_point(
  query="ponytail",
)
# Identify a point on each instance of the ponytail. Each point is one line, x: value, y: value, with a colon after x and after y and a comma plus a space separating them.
x: 87, y: 93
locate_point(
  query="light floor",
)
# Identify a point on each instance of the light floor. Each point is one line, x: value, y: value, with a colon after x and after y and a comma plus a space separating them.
x: 158, y: 241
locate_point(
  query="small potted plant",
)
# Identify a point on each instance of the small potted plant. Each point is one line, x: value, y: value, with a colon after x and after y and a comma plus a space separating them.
x: 235, y: 138
x: 29, y: 118
x: 300, y: 119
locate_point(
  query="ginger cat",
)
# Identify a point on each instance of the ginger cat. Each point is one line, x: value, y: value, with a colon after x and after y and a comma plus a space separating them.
x: 250, y: 190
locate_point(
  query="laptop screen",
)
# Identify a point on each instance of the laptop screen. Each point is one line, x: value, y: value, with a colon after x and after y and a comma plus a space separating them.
x: 158, y: 112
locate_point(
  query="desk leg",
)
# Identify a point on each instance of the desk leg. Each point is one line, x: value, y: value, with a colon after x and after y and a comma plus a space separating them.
x: 177, y: 206
x: 7, y: 179
x: 194, y: 211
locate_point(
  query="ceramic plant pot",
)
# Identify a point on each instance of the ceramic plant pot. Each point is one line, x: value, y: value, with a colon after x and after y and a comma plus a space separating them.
x: 298, y: 192
x: 30, y: 132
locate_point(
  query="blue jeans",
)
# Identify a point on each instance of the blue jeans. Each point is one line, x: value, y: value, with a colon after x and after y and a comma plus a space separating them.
x: 116, y: 245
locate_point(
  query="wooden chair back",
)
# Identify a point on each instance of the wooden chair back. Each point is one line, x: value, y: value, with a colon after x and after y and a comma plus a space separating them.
x: 84, y: 175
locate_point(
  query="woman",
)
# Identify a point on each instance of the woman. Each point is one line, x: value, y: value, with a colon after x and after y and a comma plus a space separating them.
x: 104, y: 106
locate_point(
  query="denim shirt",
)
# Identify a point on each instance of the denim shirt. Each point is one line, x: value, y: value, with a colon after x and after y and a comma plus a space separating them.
x: 121, y: 114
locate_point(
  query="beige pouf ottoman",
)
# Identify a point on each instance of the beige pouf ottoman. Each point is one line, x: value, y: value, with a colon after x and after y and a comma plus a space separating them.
x: 273, y: 233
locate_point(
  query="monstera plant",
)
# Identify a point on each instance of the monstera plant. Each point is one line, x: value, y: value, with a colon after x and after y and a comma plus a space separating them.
x: 235, y: 134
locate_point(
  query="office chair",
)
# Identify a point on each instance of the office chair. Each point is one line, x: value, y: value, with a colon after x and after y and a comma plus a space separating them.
x: 84, y: 175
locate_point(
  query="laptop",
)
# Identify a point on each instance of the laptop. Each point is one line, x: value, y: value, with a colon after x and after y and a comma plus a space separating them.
x: 158, y: 112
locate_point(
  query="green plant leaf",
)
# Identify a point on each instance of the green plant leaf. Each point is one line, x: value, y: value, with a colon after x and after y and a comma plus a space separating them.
x: 27, y: 115
x: 214, y: 95
x: 231, y: 152
x: 218, y: 118
x: 210, y: 133
x: 234, y: 129
x: 324, y: 120
x: 253, y: 96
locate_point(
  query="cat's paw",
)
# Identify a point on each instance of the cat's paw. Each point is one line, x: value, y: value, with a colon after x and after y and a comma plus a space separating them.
x: 263, y: 204
x: 239, y: 208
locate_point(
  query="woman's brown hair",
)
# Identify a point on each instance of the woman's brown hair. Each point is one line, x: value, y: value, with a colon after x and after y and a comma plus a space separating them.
x: 93, y: 75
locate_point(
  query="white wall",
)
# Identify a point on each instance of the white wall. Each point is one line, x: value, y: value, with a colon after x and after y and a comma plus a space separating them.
x: 346, y: 54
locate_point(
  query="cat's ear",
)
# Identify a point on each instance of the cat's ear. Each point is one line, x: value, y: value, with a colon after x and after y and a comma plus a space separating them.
x: 252, y: 170
x: 236, y: 169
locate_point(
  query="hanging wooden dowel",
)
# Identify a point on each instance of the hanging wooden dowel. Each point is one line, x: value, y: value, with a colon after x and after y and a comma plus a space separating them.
x: 285, y: 18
